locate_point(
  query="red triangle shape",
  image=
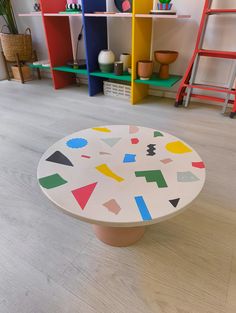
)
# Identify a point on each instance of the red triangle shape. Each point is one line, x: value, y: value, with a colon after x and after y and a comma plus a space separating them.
x: 83, y: 194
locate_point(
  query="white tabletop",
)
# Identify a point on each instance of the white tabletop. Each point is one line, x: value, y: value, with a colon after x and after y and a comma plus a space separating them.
x: 121, y: 175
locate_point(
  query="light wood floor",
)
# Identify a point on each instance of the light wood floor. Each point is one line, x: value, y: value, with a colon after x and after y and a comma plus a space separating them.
x: 52, y: 263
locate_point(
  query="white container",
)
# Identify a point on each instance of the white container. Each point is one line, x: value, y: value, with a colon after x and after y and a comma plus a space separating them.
x: 126, y: 59
x: 116, y: 90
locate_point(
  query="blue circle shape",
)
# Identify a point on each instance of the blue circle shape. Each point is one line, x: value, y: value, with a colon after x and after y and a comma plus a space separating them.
x: 77, y: 143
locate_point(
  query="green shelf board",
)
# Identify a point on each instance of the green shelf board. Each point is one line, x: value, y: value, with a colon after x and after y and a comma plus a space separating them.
x: 71, y: 70
x: 125, y: 77
x: 39, y: 66
x: 158, y: 82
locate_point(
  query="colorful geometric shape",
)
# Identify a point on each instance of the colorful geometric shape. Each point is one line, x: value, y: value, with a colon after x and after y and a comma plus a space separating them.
x: 129, y: 158
x: 133, y: 129
x: 104, y: 153
x: 198, y: 164
x: 143, y: 209
x: 112, y: 206
x: 105, y: 170
x: 52, y: 181
x: 174, y: 202
x: 111, y: 141
x: 151, y: 150
x: 102, y: 129
x: 155, y: 176
x: 158, y: 134
x: 186, y: 177
x: 85, y: 156
x: 83, y: 194
x: 60, y: 158
x: 134, y: 141
x: 177, y: 147
x: 166, y: 161
x: 77, y: 143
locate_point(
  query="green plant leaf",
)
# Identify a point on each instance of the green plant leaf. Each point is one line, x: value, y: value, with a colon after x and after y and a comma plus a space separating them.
x: 7, y: 12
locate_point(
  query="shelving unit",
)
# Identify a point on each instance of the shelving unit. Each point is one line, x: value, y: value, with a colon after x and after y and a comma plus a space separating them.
x: 60, y: 50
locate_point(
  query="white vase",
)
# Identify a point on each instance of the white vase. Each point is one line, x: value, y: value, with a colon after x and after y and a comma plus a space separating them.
x: 126, y: 59
x: 106, y: 60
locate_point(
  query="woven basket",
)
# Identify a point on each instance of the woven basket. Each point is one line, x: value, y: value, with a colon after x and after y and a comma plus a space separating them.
x: 13, y: 44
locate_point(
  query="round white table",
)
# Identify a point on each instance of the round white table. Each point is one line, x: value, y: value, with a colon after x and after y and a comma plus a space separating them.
x: 121, y: 178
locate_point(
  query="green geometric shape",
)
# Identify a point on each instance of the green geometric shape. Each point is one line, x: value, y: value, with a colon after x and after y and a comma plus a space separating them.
x: 52, y: 181
x: 158, y: 134
x: 155, y: 176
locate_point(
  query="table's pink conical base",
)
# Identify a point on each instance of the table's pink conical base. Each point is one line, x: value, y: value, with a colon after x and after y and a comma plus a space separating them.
x: 118, y: 236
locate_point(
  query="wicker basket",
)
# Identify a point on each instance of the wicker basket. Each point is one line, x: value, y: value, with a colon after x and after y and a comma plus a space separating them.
x: 116, y: 90
x: 13, y: 44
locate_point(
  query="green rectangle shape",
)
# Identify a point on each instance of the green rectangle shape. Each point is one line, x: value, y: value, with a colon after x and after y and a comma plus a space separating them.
x: 40, y: 66
x: 52, y: 181
x: 125, y: 77
x: 158, y: 82
x: 71, y: 70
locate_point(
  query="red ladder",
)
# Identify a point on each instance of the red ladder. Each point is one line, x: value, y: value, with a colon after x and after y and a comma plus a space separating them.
x: 188, y: 83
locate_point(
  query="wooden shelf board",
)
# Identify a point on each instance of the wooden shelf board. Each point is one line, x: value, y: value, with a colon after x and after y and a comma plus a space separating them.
x: 40, y: 66
x: 108, y: 15
x: 71, y: 70
x: 158, y: 82
x: 176, y: 16
x: 125, y: 77
x: 63, y: 14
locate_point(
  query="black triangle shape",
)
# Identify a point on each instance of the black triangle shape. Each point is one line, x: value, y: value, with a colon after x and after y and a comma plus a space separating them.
x: 174, y: 202
x: 60, y: 158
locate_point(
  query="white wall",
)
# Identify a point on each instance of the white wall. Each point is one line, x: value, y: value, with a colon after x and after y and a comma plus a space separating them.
x: 167, y: 34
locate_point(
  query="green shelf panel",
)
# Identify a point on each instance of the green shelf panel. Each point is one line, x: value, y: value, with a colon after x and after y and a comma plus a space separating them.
x: 71, y: 70
x: 158, y: 82
x: 39, y: 66
x: 125, y: 77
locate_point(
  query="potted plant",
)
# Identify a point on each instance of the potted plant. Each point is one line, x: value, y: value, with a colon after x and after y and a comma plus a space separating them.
x: 16, y: 47
x: 164, y: 5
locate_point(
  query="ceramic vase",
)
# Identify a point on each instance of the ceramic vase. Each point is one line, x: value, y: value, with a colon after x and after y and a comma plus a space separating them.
x: 36, y: 6
x: 73, y: 5
x: 165, y: 58
x: 145, y: 69
x: 106, y: 60
x: 126, y: 59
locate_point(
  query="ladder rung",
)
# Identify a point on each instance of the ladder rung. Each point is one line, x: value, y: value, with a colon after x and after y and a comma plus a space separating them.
x: 203, y: 97
x: 218, y: 54
x: 211, y: 88
x: 221, y: 11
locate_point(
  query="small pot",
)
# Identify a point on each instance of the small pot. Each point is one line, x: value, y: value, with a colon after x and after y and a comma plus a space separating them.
x: 118, y: 68
x: 126, y: 59
x: 106, y: 61
x: 145, y: 69
x: 164, y: 6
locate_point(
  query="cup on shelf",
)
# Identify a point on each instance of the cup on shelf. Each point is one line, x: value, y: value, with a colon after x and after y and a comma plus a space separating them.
x: 145, y: 69
x: 118, y: 68
x: 126, y: 59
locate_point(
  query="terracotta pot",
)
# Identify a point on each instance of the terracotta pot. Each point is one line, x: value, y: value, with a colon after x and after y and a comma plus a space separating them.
x: 106, y: 61
x: 165, y: 58
x: 145, y: 69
